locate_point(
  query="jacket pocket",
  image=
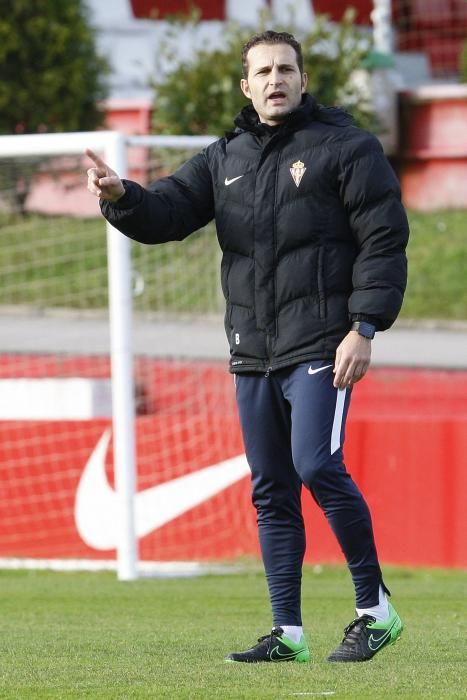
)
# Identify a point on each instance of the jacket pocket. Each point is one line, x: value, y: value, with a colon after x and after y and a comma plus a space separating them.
x: 226, y: 265
x: 228, y: 319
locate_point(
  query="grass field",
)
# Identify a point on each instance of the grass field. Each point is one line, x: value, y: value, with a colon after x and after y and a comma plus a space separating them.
x: 49, y: 262
x: 87, y: 635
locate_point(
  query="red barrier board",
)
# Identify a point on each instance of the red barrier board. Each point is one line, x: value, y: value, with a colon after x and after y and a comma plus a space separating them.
x: 406, y: 446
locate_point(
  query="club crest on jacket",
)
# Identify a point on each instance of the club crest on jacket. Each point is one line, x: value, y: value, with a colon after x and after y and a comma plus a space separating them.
x: 297, y: 171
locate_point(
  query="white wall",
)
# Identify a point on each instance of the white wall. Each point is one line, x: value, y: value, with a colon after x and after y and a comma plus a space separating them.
x: 131, y: 45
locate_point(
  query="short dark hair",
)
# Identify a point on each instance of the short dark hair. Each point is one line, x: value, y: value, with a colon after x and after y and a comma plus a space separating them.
x: 271, y: 37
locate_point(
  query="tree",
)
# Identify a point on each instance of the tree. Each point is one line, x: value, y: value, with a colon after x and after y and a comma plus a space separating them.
x: 51, y: 78
x: 202, y: 95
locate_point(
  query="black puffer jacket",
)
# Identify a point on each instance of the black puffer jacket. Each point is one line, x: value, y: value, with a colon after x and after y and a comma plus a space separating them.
x: 311, y: 227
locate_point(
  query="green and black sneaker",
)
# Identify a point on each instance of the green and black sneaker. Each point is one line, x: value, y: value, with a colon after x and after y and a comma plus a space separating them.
x: 364, y: 637
x: 273, y: 647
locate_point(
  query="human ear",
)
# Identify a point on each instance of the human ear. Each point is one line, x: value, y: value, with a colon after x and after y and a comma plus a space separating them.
x: 245, y: 88
x: 304, y: 81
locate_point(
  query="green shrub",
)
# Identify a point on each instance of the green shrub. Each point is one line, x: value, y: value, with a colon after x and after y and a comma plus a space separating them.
x: 51, y: 80
x: 51, y: 77
x: 202, y: 95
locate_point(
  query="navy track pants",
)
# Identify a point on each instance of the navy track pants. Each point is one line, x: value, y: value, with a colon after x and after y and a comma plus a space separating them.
x: 293, y: 425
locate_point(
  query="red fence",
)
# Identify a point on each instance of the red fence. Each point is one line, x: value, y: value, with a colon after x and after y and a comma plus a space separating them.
x: 406, y: 447
x: 435, y: 27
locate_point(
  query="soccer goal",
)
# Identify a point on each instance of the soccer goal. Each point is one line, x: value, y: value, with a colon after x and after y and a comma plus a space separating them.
x: 119, y: 443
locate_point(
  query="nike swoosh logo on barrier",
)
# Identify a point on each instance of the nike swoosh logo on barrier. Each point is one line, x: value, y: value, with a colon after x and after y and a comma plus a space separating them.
x: 228, y: 182
x: 318, y: 369
x: 97, y: 514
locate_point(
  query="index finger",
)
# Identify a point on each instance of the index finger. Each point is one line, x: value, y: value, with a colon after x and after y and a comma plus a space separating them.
x: 340, y: 368
x: 97, y: 160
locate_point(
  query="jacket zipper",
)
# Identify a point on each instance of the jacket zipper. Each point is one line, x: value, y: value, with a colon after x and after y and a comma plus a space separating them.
x: 268, y: 146
x: 274, y: 239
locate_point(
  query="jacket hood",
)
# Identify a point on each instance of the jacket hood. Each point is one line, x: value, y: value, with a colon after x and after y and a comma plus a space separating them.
x: 309, y: 109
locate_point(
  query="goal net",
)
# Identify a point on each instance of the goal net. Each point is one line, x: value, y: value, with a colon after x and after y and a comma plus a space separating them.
x: 119, y: 439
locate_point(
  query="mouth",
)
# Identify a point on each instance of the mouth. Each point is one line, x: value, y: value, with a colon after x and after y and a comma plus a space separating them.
x: 276, y: 96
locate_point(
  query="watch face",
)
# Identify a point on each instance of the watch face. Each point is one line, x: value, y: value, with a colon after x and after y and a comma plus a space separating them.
x: 367, y: 330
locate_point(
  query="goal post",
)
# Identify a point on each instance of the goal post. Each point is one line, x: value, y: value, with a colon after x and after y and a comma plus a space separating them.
x: 121, y: 353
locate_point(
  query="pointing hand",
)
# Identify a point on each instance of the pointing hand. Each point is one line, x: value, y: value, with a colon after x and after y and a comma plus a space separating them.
x: 103, y: 181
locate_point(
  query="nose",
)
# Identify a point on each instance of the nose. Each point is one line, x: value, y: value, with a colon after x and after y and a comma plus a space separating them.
x: 275, y: 77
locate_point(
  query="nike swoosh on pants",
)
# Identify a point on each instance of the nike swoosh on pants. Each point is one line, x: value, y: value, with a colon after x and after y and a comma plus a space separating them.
x: 318, y: 369
x: 97, y: 503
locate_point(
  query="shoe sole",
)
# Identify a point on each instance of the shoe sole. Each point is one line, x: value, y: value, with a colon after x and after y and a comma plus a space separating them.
x: 302, y: 657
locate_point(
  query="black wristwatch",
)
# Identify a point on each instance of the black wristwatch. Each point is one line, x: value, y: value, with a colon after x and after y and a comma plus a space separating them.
x: 367, y: 330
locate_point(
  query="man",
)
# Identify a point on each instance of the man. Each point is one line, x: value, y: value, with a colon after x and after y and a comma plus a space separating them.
x: 313, y: 236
